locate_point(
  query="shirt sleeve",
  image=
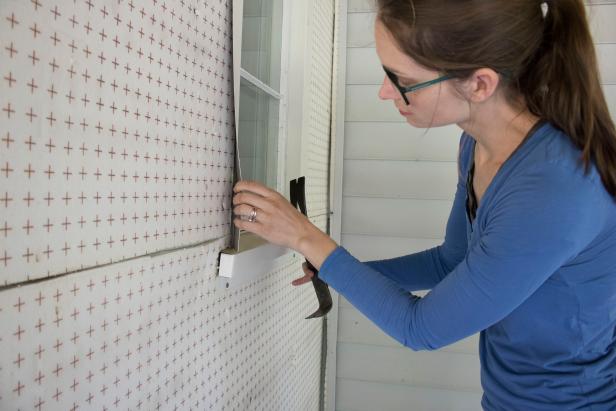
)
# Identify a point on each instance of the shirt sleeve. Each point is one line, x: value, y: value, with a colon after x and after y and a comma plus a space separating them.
x: 540, y: 221
x: 423, y: 270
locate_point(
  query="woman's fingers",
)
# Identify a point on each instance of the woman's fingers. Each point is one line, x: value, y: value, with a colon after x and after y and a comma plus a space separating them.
x: 303, y: 280
x: 254, y: 187
x: 245, y: 210
x: 277, y: 221
x: 251, y: 199
x: 308, y: 274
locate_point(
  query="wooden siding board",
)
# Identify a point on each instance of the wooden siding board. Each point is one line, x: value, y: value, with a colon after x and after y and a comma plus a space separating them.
x: 400, y: 366
x: 369, y: 396
x: 412, y: 218
x: 398, y: 141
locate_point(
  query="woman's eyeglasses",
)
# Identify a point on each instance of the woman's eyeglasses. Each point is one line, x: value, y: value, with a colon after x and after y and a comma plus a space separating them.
x: 403, y: 90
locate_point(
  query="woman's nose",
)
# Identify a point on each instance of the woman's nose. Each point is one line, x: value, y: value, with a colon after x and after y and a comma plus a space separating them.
x: 387, y: 90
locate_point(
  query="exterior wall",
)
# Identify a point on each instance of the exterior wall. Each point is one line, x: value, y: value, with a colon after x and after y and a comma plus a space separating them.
x: 398, y: 189
x: 115, y: 189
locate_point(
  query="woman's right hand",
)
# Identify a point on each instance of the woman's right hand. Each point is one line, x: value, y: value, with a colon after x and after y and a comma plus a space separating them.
x: 306, y: 278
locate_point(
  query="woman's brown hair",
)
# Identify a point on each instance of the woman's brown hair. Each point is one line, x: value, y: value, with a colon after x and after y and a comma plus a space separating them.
x: 542, y: 49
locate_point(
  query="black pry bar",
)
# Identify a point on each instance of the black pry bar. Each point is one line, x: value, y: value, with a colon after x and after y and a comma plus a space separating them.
x: 298, y: 199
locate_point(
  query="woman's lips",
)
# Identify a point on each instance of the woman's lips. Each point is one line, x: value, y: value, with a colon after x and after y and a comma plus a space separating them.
x: 405, y: 113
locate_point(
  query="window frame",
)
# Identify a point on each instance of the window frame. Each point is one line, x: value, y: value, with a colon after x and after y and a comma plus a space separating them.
x: 239, y: 74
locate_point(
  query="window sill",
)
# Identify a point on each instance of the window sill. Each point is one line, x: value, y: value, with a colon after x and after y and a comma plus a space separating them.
x: 255, y: 258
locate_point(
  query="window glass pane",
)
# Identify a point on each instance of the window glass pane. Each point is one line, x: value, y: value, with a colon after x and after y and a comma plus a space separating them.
x: 258, y: 135
x: 262, y: 40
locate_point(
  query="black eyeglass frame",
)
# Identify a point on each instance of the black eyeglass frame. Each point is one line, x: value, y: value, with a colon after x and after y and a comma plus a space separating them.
x: 409, y: 89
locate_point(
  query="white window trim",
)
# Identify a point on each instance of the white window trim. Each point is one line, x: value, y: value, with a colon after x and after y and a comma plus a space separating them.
x: 237, y: 267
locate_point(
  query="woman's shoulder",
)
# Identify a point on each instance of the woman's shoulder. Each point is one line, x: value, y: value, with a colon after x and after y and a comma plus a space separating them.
x: 549, y: 151
x: 549, y: 167
x: 553, y: 151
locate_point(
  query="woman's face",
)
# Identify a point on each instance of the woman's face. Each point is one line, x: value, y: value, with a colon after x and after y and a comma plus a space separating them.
x: 433, y: 106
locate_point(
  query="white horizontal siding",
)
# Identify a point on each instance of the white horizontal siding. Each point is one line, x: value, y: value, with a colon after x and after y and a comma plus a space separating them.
x: 398, y: 141
x: 360, y: 29
x: 356, y: 6
x: 402, y: 366
x: 363, y: 105
x: 606, y: 55
x: 400, y: 179
x: 610, y: 96
x: 398, y: 218
x: 369, y: 71
x: 369, y: 396
x: 601, y: 15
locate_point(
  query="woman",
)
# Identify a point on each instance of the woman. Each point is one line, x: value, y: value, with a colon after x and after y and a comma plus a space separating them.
x: 529, y: 257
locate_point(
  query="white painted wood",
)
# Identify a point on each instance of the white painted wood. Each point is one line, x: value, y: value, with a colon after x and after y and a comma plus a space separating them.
x: 298, y: 40
x: 601, y: 18
x: 338, y: 137
x: 610, y: 96
x: 360, y: 29
x: 240, y: 268
x: 363, y: 104
x: 335, y: 186
x: 238, y: 7
x: 403, y: 366
x: 400, y: 179
x: 372, y: 247
x: 355, y: 328
x: 370, y: 396
x: 401, y: 218
x: 606, y: 55
x: 398, y: 141
x: 364, y: 66
x: 361, y: 5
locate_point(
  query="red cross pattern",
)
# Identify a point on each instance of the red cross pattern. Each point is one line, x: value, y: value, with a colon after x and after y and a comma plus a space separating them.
x: 158, y: 333
x: 116, y: 142
x: 116, y: 131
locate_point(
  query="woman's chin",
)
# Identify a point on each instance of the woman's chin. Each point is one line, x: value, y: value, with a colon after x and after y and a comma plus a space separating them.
x: 421, y: 123
x: 413, y: 122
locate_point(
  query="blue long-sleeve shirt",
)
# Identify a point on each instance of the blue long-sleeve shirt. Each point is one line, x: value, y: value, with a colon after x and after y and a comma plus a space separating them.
x: 535, y: 273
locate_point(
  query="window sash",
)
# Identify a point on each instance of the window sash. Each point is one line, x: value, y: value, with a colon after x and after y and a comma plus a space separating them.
x: 259, y: 84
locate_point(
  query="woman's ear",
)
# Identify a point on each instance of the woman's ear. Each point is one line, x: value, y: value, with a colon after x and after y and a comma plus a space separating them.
x: 482, y: 85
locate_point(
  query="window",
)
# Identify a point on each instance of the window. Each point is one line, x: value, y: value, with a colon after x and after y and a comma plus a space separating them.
x: 258, y: 130
x: 260, y: 96
x: 259, y: 88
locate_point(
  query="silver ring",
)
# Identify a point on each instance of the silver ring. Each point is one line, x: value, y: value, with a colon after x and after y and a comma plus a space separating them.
x: 253, y: 215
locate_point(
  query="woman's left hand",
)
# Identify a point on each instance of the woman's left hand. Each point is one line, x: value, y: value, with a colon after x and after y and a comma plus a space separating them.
x: 278, y: 222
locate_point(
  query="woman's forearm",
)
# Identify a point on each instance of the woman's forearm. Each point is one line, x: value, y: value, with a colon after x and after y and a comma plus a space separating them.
x: 316, y: 246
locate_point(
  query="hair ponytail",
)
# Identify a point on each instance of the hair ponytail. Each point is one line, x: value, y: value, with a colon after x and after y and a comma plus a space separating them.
x: 544, y: 47
x: 562, y: 85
